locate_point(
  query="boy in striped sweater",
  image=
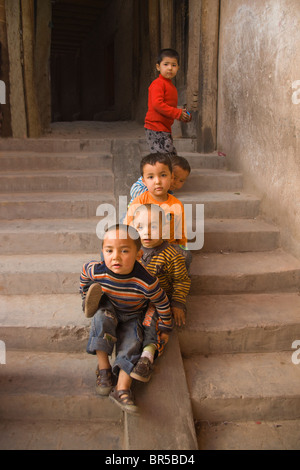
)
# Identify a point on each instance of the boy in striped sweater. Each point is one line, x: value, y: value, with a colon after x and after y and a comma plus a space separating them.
x: 116, y: 294
x: 164, y: 261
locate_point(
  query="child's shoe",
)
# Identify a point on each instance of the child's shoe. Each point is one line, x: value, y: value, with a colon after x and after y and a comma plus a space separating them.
x: 92, y: 300
x: 142, y: 371
x: 104, y: 383
x: 124, y: 399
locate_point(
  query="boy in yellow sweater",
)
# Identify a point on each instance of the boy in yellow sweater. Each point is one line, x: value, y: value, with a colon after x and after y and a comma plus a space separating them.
x: 168, y: 265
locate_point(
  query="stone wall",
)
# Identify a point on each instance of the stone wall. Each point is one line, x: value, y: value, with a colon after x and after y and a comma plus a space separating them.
x: 259, y: 104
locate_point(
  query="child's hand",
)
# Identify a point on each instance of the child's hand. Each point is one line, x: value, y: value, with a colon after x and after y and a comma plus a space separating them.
x: 163, y: 337
x: 179, y: 316
x: 185, y: 116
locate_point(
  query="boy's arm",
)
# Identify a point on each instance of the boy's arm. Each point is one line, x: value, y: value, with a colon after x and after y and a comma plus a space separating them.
x: 180, y: 280
x: 137, y: 188
x: 157, y: 97
x: 160, y: 299
x: 87, y: 277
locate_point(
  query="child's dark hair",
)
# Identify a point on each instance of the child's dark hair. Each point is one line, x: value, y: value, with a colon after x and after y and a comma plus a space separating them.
x: 181, y: 162
x: 167, y: 53
x: 130, y: 231
x: 153, y: 158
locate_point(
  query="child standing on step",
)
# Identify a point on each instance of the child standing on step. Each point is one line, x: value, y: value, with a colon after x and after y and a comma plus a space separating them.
x: 162, y: 260
x: 116, y: 294
x: 162, y: 104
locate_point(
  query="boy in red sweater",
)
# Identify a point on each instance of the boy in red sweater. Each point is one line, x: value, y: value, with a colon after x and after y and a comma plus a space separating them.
x: 162, y: 104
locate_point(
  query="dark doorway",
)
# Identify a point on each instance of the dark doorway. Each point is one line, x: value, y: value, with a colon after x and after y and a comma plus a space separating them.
x: 85, y: 34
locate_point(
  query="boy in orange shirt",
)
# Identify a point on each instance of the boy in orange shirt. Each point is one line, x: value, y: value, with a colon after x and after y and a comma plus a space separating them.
x: 156, y: 170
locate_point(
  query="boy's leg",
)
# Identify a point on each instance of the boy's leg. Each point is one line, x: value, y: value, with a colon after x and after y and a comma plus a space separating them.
x: 122, y: 394
x: 129, y: 344
x: 142, y: 371
x: 161, y: 142
x: 101, y: 342
x: 128, y: 350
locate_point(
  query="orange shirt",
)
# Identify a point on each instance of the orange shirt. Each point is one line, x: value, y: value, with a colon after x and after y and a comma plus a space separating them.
x: 175, y: 219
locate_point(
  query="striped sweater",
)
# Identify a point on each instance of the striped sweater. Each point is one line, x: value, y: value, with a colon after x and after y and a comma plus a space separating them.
x: 168, y: 265
x: 129, y: 293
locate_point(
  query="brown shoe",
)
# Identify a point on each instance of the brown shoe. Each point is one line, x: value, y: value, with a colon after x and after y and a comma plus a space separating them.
x: 92, y: 300
x: 142, y: 371
x: 124, y: 399
x: 104, y: 381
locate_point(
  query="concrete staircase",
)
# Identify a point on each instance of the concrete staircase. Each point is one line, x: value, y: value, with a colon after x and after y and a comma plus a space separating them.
x: 50, y: 190
x: 237, y: 367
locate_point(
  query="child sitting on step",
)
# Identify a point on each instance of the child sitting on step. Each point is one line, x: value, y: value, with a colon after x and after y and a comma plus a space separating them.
x: 180, y: 171
x: 116, y: 293
x: 156, y: 171
x: 162, y: 260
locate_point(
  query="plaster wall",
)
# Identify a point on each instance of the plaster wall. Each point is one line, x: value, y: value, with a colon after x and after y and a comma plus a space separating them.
x: 259, y: 104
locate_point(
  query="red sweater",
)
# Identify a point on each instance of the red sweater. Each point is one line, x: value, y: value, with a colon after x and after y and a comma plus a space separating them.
x: 162, y: 105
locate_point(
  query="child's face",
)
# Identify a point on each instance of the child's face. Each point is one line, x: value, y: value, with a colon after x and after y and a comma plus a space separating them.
x: 168, y: 67
x: 179, y: 177
x: 157, y: 178
x: 119, y: 253
x: 148, y: 224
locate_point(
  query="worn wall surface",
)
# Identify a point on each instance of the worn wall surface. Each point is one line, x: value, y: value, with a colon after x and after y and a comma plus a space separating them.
x: 259, y: 104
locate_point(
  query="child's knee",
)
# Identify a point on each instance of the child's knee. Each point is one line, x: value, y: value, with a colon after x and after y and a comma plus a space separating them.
x: 104, y: 322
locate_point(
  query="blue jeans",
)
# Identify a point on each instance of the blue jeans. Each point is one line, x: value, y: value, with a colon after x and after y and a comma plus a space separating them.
x: 109, y: 328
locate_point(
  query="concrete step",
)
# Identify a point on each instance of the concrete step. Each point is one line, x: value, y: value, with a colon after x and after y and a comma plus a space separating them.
x: 251, y: 435
x: 56, y: 144
x: 231, y: 273
x: 52, y: 386
x: 53, y: 205
x: 49, y: 236
x: 86, y: 144
x: 221, y: 205
x: 221, y: 324
x: 240, y: 235
x: 61, y: 435
x: 201, y: 160
x: 70, y: 235
x: 71, y: 180
x: 77, y: 205
x: 215, y: 324
x: 244, y: 387
x: 210, y: 273
x: 213, y: 180
x: 42, y: 273
x: 46, y: 387
x: 158, y: 399
x: 19, y: 160
x: 53, y: 323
